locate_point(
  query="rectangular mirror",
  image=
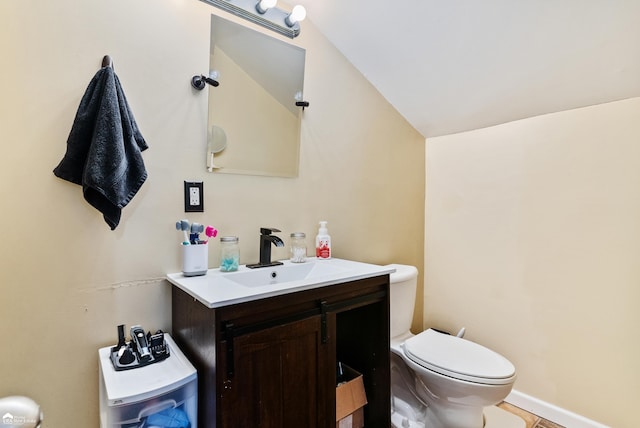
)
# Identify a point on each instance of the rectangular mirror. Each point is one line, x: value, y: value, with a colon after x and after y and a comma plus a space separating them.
x: 254, y: 123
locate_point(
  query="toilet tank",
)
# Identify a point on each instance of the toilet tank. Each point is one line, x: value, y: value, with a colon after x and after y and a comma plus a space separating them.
x: 402, y: 291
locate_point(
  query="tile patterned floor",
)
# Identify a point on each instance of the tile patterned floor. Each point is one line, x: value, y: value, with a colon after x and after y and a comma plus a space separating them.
x: 531, y: 420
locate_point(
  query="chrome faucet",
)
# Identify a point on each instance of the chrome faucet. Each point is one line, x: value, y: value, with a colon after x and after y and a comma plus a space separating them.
x: 266, y: 239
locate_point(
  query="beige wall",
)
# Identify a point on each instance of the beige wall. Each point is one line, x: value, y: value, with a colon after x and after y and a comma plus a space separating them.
x: 68, y: 280
x: 533, y: 243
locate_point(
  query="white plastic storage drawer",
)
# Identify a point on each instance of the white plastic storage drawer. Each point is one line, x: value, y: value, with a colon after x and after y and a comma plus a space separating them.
x: 163, y: 394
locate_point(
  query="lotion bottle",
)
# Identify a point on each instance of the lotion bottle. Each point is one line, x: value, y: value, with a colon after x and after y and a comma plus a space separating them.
x: 323, y: 242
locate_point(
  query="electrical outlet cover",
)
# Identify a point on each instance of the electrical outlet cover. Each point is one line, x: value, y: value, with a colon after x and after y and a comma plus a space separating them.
x: 193, y: 197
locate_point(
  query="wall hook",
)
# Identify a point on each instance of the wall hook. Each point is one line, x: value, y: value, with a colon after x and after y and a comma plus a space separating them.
x: 199, y: 82
x: 107, y: 61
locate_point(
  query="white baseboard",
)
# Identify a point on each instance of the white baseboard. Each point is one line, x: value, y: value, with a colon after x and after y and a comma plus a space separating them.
x: 550, y: 412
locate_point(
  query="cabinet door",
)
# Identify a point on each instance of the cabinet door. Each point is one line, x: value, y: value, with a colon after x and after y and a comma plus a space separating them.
x: 280, y: 378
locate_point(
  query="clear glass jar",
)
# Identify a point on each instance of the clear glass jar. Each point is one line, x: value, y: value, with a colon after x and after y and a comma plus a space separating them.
x: 298, y: 248
x: 229, y: 254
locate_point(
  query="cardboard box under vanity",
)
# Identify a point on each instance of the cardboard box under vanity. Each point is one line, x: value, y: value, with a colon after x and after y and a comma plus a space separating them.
x: 350, y: 399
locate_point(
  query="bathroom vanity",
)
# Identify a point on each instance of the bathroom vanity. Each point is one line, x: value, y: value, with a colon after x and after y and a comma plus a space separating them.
x: 266, y: 342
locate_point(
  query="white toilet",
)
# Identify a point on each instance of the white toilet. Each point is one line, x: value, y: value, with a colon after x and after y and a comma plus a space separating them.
x: 439, y: 380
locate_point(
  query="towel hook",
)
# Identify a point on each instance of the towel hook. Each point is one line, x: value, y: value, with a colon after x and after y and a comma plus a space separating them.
x: 107, y: 61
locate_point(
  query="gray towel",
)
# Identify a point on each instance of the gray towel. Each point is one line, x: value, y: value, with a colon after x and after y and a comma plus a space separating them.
x: 104, y: 148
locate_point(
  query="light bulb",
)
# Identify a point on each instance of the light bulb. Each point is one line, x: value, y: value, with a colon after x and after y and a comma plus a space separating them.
x: 263, y: 5
x: 298, y: 14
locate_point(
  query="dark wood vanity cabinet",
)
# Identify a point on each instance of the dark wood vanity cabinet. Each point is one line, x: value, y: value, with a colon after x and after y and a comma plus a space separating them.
x: 272, y: 362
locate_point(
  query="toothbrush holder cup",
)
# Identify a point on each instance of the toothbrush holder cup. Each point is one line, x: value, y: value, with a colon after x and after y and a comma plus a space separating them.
x: 195, y: 259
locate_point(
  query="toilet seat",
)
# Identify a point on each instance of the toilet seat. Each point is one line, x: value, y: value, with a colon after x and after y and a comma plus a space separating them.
x: 459, y: 358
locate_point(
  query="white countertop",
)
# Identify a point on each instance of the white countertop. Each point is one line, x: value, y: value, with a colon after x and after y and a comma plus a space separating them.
x: 217, y: 289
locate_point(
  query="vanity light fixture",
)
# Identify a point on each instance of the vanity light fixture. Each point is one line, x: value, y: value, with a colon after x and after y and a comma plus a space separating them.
x: 265, y: 13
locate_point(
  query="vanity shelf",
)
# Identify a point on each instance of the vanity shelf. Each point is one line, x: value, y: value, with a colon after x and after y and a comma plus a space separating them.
x: 272, y: 361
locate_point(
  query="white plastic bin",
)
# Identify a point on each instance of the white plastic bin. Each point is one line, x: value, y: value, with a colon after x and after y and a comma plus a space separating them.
x: 138, y: 397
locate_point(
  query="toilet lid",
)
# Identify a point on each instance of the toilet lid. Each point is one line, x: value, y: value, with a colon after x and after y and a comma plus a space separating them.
x: 459, y: 358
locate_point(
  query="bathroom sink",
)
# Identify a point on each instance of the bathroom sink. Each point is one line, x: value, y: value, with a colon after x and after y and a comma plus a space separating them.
x: 217, y: 289
x: 283, y: 274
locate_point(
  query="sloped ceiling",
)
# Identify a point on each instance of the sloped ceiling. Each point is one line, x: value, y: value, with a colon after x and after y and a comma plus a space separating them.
x: 455, y: 65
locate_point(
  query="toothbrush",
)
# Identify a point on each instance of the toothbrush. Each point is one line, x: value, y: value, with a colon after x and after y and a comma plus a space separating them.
x: 196, y: 230
x: 183, y: 225
x: 211, y: 232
